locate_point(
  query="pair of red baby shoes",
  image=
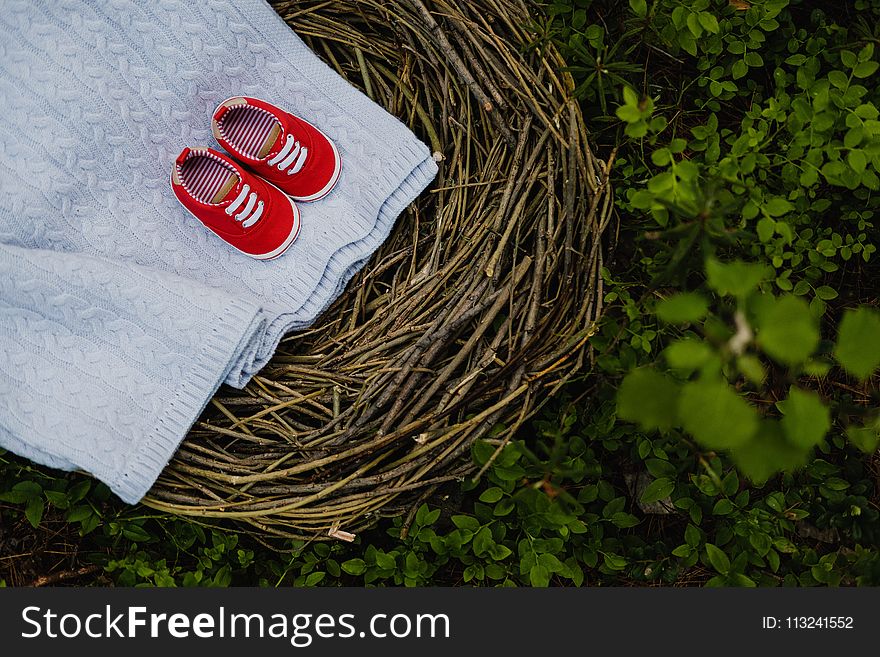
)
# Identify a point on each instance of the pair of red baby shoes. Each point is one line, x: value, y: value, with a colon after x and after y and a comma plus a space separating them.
x: 249, y: 199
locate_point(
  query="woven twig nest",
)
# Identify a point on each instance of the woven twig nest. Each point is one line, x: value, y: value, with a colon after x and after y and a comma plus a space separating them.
x: 471, y: 316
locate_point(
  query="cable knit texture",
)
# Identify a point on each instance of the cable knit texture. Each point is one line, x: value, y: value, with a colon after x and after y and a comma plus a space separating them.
x: 120, y: 314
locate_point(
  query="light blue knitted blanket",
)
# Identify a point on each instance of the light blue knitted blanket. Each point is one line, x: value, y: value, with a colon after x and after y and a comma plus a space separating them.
x: 120, y: 315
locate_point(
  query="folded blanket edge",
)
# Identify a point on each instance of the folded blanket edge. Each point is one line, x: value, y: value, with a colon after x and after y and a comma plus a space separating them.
x: 241, y: 321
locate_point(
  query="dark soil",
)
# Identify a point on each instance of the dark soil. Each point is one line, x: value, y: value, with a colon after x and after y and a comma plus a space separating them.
x: 48, y: 555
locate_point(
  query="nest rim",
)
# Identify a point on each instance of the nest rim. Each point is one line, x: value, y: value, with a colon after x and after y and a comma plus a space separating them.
x: 473, y: 314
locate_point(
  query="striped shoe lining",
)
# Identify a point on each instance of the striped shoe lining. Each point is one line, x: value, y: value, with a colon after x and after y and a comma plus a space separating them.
x: 203, y: 175
x: 250, y: 130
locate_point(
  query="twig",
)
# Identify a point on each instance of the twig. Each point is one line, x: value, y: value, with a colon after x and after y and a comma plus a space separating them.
x: 54, y: 578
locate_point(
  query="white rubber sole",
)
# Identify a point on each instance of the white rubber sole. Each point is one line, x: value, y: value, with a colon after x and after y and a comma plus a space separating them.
x: 271, y: 255
x: 294, y: 233
x: 337, y: 169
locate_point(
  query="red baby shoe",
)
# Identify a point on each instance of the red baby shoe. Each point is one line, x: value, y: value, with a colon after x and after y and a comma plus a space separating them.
x: 278, y: 146
x: 252, y: 215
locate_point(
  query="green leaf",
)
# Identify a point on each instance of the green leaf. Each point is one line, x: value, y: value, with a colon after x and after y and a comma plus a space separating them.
x: 466, y: 522
x: 636, y: 130
x: 709, y: 22
x: 648, y: 398
x: 551, y: 563
x: 58, y: 499
x: 754, y: 59
x: 79, y: 491
x: 491, y: 495
x: 482, y: 451
x: 682, y: 551
x: 315, y: 578
x: 715, y: 415
x: 768, y: 453
x: 354, y: 566
x: 778, y: 206
x: 838, y: 79
x: 504, y: 507
x: 495, y: 571
x: 386, y: 561
x: 28, y: 488
x: 722, y: 507
x: 539, y: 576
x: 483, y: 541
x: 717, y: 558
x: 429, y: 518
x: 136, y: 533
x: 687, y: 354
x: 624, y: 520
x: 787, y: 330
x: 752, y: 368
x: 865, y: 69
x: 694, y: 26
x: 826, y: 292
x: 688, y: 43
x: 682, y: 308
x: 34, y: 511
x: 735, y: 278
x: 639, y: 7
x: 90, y: 524
x: 14, y: 497
x: 629, y: 114
x: 865, y: 438
x: 613, y: 561
x: 853, y: 138
x: 833, y: 170
x: 499, y: 552
x: 658, y: 489
x: 660, y: 468
x: 858, y: 342
x: 805, y: 419
x: 78, y: 513
x: 867, y: 111
x: 765, y: 227
x: 857, y: 160
x: 738, y: 579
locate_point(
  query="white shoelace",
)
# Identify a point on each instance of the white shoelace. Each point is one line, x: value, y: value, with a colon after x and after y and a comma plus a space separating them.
x: 248, y: 216
x: 292, y: 153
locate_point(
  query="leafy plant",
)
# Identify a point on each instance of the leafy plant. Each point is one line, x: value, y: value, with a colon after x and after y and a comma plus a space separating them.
x: 701, y: 392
